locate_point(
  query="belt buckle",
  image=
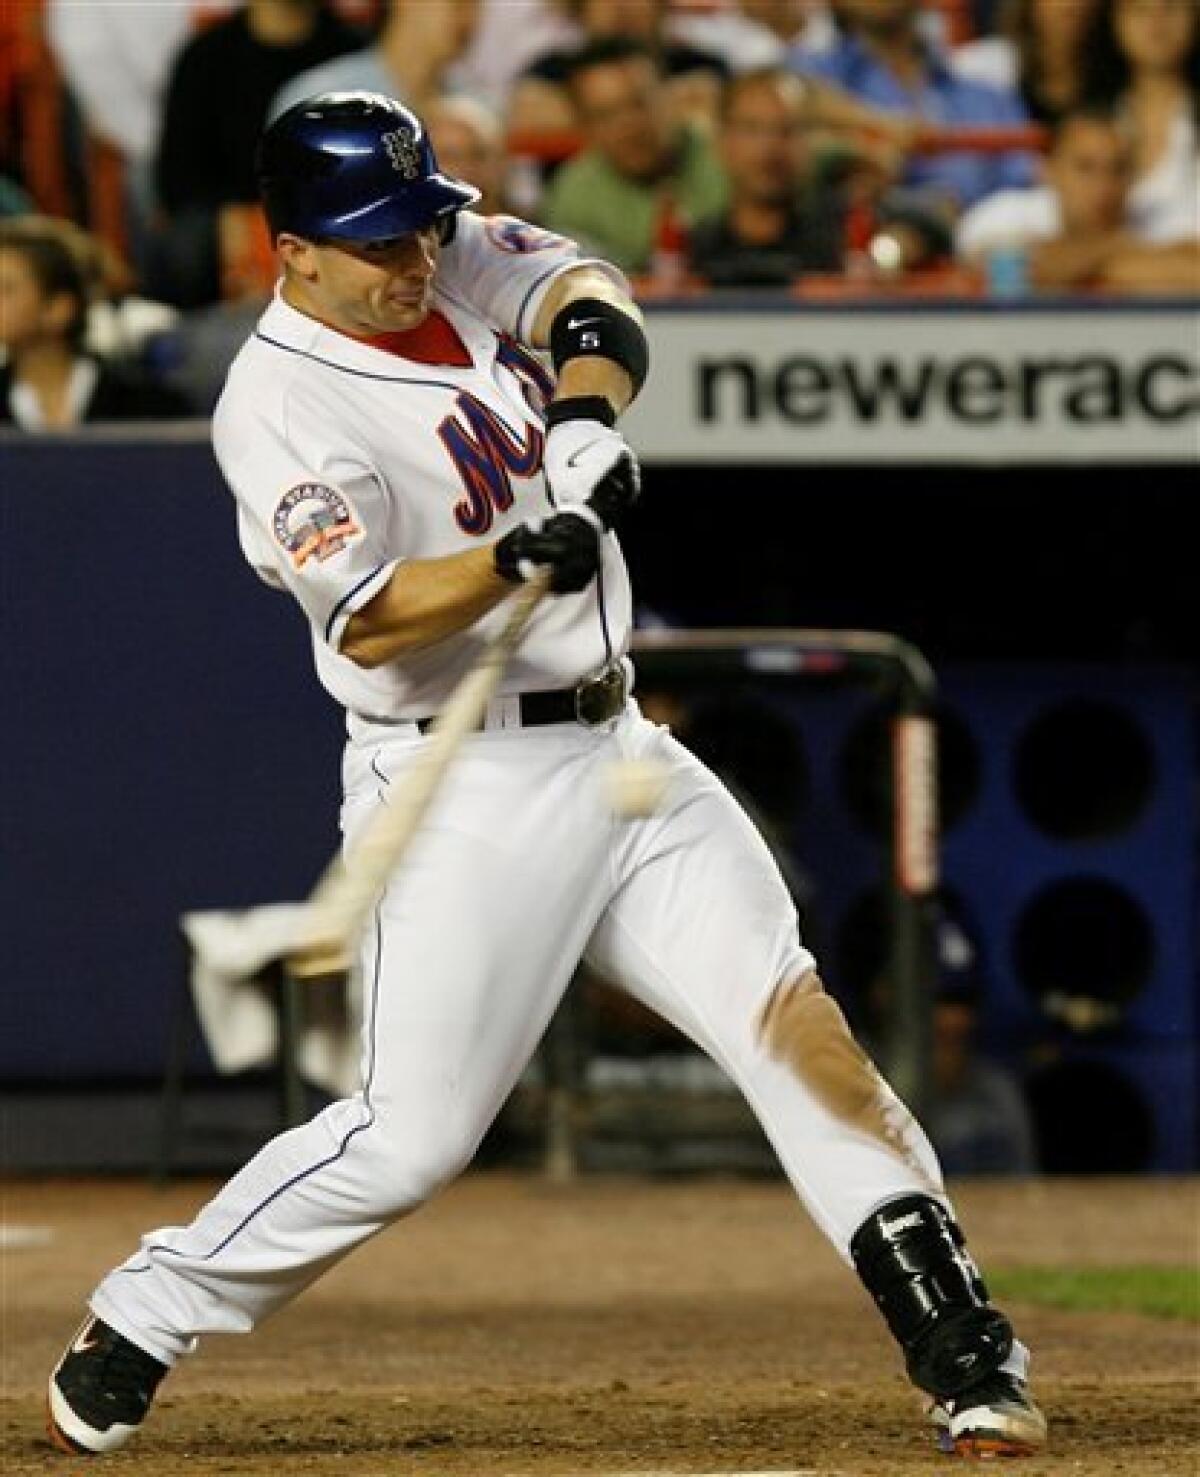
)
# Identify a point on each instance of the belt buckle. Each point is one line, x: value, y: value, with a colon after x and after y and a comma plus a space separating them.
x: 601, y: 698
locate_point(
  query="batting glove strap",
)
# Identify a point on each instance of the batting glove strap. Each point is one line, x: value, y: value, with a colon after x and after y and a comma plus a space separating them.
x: 581, y: 408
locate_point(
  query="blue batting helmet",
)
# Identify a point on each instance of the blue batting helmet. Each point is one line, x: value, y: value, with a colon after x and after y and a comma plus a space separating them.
x: 354, y: 166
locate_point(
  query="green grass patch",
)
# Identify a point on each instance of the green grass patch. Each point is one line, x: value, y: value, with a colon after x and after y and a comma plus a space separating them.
x: 1160, y: 1292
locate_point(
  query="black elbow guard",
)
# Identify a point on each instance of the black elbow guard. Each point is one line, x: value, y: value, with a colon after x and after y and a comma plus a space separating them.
x: 590, y: 327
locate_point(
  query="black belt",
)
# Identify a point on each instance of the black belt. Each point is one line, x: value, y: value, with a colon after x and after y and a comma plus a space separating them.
x: 589, y: 703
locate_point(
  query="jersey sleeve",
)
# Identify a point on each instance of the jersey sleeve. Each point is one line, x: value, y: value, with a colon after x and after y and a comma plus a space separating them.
x: 503, y: 267
x: 312, y: 520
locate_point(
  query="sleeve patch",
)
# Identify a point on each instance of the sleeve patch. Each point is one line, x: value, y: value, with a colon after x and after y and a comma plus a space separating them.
x: 314, y: 521
x: 520, y: 238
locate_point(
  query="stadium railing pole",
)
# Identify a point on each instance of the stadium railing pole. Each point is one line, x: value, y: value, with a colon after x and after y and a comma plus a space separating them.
x: 901, y: 673
x: 913, y: 881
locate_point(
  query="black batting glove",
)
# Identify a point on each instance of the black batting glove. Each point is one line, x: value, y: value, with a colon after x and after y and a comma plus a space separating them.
x: 569, y: 543
x: 616, y: 492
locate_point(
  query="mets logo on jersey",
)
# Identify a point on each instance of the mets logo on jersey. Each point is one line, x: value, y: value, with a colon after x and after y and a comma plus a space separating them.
x: 519, y: 237
x: 313, y: 521
x: 404, y: 152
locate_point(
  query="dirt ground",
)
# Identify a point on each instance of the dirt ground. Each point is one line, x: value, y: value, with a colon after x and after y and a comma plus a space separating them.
x: 616, y: 1326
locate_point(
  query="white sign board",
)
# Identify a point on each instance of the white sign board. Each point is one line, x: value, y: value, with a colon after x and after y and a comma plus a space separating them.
x: 795, y: 383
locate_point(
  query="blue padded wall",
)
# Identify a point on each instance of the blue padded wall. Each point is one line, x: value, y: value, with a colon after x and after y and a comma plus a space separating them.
x: 1090, y: 832
x: 1004, y: 869
x: 1144, y: 864
x: 165, y: 746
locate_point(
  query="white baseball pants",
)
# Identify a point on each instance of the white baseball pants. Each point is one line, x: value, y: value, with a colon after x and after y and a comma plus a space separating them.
x: 520, y: 870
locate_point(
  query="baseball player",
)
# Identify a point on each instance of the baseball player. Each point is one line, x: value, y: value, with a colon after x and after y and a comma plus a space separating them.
x: 401, y: 462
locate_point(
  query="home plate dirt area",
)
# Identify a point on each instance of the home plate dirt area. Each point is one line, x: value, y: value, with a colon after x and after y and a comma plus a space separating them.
x: 616, y: 1326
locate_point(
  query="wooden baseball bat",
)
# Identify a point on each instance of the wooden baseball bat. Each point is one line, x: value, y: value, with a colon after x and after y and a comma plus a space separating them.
x: 341, y: 902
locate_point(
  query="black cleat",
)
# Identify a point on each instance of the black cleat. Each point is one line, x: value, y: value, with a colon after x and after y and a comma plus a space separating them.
x: 100, y: 1390
x: 995, y: 1419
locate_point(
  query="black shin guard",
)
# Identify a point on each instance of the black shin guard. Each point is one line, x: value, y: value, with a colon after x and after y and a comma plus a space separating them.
x: 913, y: 1259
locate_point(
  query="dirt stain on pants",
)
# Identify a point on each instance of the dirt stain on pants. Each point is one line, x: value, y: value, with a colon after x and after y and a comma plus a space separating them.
x: 804, y: 1030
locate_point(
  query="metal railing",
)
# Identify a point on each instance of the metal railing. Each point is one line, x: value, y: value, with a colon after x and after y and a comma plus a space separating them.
x: 901, y: 676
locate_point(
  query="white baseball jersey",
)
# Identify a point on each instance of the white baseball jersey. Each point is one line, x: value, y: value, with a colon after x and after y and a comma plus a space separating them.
x: 346, y: 458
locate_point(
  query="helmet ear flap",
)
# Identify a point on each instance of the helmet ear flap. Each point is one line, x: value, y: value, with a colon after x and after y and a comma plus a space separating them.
x: 447, y: 225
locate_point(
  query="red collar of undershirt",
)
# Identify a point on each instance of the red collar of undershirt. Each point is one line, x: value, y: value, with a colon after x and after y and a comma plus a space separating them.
x: 435, y: 340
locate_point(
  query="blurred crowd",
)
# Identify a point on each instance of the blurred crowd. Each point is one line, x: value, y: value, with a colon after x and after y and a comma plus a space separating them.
x: 813, y: 146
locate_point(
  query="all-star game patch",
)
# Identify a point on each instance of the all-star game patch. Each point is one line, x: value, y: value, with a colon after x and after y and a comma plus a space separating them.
x: 314, y: 521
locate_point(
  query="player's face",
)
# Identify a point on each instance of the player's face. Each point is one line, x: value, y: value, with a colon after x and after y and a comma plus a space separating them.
x: 364, y: 287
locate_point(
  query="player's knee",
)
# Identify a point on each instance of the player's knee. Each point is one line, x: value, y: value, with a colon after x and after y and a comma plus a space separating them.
x: 415, y: 1156
x: 436, y: 1165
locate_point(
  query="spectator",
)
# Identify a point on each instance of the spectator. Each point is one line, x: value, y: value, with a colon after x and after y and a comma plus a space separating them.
x: 217, y: 100
x: 642, y: 174
x: 883, y: 60
x: 788, y: 209
x: 121, y: 324
x: 1039, y: 54
x: 779, y: 222
x: 791, y: 23
x: 412, y: 60
x: 49, y: 381
x: 978, y: 1119
x: 542, y: 100
x: 469, y: 143
x: 1077, y: 228
x: 511, y: 35
x: 1144, y: 60
x: 755, y: 34
x: 116, y: 59
x: 976, y: 1113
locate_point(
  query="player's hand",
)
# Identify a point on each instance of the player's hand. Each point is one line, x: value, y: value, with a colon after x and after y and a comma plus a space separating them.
x: 581, y: 456
x: 569, y: 543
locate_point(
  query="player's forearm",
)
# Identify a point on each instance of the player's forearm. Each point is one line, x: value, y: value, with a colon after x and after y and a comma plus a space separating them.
x: 595, y: 377
x: 425, y: 601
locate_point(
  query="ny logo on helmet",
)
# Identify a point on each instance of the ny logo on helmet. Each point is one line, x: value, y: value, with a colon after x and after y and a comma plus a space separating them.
x: 404, y: 152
